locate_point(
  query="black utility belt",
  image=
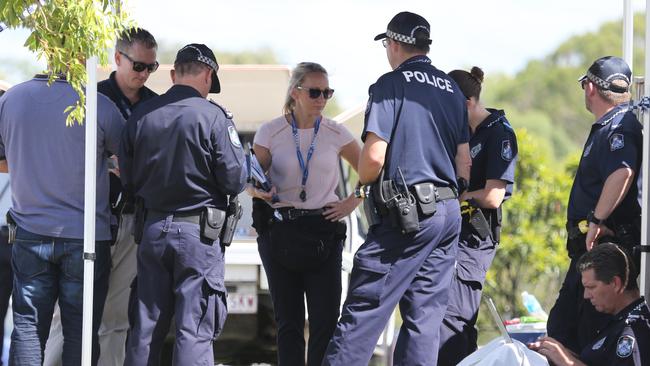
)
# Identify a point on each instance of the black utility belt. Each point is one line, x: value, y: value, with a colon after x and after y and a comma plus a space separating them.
x: 290, y: 213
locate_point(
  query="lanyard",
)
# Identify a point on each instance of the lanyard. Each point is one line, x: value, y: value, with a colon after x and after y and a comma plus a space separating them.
x: 304, y: 167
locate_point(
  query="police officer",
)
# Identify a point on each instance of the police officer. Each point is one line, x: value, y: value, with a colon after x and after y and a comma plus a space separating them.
x: 603, y: 200
x: 609, y: 277
x: 187, y: 161
x: 415, y: 147
x: 493, y: 149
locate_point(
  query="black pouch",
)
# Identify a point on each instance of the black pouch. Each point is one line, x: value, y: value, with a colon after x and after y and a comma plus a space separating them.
x: 211, y: 222
x: 233, y: 214
x: 305, y: 243
x: 11, y: 228
x: 426, y: 195
x: 140, y: 218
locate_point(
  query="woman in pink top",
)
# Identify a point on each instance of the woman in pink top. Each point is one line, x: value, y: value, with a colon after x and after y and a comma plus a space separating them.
x: 300, y: 235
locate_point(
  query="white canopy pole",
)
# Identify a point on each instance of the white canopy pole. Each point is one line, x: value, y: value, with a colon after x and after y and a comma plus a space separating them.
x: 645, y: 204
x: 628, y: 34
x: 90, y: 199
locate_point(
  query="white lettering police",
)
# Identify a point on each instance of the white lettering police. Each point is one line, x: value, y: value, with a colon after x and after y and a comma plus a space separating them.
x: 422, y: 77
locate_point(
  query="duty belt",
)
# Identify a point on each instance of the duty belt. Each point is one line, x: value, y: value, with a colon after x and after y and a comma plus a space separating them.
x: 193, y: 217
x: 445, y: 193
x: 294, y: 213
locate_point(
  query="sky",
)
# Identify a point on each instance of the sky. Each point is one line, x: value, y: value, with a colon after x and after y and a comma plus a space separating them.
x: 496, y: 35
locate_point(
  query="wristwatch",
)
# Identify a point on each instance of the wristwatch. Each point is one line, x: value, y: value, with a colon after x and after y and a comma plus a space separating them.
x: 462, y: 185
x: 592, y: 218
x: 360, y: 191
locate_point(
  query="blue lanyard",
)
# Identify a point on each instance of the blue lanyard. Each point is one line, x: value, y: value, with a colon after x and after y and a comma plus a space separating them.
x: 304, y: 167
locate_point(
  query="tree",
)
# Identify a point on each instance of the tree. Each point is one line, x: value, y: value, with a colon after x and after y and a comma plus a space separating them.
x: 66, y: 33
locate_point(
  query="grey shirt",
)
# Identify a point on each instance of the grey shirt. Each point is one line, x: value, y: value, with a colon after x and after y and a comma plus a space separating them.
x: 46, y: 158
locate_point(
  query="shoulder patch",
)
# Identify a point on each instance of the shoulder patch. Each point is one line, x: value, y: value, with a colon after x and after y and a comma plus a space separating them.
x: 616, y: 142
x: 475, y: 150
x: 234, y: 137
x: 625, y: 346
x: 506, y: 150
x: 225, y: 111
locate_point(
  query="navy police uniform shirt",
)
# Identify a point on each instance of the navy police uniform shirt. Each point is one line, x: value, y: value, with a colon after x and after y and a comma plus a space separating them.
x: 624, y: 341
x: 180, y: 152
x: 615, y: 142
x: 493, y: 148
x: 431, y: 114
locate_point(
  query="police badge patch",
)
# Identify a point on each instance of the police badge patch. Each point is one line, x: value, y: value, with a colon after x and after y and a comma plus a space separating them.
x: 616, y: 142
x: 506, y: 150
x: 475, y: 150
x: 624, y: 346
x: 234, y: 137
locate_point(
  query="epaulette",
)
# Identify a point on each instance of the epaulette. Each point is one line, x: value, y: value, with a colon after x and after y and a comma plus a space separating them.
x: 225, y: 111
x: 640, y: 313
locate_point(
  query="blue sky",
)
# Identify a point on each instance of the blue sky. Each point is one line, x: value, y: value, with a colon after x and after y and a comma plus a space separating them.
x: 497, y: 35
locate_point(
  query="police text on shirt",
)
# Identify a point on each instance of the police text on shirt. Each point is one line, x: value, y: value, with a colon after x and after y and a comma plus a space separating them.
x: 422, y: 77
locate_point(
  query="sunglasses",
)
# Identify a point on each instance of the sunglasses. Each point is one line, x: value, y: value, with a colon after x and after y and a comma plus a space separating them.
x: 384, y: 42
x: 140, y: 66
x: 314, y: 93
x: 583, y: 83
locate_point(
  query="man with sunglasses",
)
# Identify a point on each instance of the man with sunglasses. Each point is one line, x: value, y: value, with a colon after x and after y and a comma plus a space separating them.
x: 416, y: 135
x: 603, y: 203
x: 135, y: 60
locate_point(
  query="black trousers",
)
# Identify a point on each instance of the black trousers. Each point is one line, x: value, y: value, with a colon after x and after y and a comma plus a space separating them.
x: 6, y: 283
x: 322, y: 289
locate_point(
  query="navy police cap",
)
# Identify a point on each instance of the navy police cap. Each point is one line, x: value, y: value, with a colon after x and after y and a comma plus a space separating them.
x: 607, y: 69
x: 403, y: 26
x: 196, y: 52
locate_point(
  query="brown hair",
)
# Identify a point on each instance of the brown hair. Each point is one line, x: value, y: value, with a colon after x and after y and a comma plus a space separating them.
x: 609, y: 260
x: 469, y: 82
x: 132, y: 35
x: 190, y: 68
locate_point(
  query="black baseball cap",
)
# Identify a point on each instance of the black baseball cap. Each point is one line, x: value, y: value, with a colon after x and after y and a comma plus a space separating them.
x: 196, y: 52
x: 403, y: 26
x: 607, y: 69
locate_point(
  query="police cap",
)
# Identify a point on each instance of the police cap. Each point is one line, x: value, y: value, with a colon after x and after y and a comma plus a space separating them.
x: 196, y: 52
x: 402, y: 29
x: 607, y: 69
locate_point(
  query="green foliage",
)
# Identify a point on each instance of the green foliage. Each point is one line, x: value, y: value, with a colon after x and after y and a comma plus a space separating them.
x: 66, y: 33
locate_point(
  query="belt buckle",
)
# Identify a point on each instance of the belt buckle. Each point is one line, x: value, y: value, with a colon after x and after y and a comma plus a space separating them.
x: 290, y: 214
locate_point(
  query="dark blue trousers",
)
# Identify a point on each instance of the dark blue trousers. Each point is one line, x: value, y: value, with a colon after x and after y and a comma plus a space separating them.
x: 322, y: 289
x: 179, y: 278
x: 458, y: 335
x: 390, y: 268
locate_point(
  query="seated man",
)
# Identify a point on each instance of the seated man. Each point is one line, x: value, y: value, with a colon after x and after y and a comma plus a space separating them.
x: 609, y: 278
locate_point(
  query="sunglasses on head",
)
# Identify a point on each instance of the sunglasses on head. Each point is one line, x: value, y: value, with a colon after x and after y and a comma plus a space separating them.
x: 140, y: 66
x: 314, y: 93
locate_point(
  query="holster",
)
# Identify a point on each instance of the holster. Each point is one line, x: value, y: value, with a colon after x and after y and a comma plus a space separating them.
x: 233, y: 214
x: 476, y: 219
x: 211, y: 222
x: 140, y: 213
x: 11, y: 227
